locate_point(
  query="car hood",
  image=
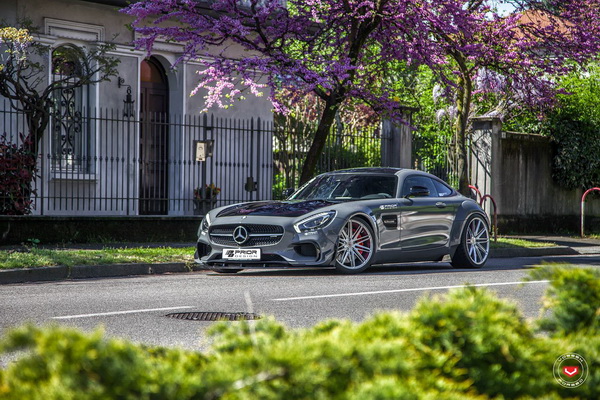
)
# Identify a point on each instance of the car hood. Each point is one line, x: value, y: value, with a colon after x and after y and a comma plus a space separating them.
x: 291, y: 208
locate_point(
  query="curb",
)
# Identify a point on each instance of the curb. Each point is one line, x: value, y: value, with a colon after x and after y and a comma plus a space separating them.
x: 61, y: 273
x: 533, y: 252
x: 34, y: 274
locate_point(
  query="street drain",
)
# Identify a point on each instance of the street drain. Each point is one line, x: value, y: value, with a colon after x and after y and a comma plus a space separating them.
x: 214, y: 316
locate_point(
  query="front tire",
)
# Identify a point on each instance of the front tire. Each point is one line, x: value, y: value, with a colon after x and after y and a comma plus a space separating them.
x: 474, y: 248
x: 355, y: 247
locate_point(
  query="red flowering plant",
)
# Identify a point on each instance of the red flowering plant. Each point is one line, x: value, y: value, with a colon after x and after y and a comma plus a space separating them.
x: 207, y: 192
x: 17, y: 171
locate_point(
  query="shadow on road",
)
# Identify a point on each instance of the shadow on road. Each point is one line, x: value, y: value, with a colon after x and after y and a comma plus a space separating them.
x: 423, y: 268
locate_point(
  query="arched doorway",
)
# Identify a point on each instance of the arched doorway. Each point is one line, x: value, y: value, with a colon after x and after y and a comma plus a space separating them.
x: 154, y: 138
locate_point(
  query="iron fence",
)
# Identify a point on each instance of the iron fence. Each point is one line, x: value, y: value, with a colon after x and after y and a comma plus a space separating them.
x: 156, y: 164
x: 102, y: 163
x: 438, y: 155
x: 433, y: 154
x: 343, y: 149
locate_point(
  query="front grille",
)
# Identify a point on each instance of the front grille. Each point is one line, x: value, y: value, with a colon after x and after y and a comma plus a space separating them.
x: 258, y: 235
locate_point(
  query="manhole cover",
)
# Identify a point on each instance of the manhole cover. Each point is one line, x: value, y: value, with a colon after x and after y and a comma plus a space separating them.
x: 214, y: 316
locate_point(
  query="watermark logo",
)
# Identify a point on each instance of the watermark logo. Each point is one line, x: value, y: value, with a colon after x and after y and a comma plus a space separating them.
x: 570, y: 370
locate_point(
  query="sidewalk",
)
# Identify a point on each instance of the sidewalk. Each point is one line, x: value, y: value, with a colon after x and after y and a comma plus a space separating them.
x: 564, y: 246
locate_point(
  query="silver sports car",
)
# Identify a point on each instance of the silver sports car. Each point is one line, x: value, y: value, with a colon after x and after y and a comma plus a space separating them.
x: 348, y: 219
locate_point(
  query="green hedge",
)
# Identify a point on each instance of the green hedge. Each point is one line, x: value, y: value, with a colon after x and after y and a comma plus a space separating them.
x: 467, y: 344
x: 574, y: 127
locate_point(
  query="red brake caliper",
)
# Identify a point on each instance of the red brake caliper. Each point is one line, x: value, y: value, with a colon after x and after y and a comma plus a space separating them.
x: 366, y: 244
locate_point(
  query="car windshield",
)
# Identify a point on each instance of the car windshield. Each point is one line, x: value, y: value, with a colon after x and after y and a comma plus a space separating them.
x: 348, y: 187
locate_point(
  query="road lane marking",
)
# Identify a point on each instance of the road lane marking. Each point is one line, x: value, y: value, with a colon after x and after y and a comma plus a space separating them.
x: 323, y: 296
x: 120, y: 312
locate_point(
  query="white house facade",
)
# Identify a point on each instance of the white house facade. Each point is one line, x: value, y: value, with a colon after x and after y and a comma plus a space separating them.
x: 138, y: 144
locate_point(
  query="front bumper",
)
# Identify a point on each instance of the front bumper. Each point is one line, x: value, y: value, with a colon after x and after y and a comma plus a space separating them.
x: 294, y: 250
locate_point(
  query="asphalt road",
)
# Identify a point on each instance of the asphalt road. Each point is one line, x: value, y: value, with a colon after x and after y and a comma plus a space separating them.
x: 135, y: 307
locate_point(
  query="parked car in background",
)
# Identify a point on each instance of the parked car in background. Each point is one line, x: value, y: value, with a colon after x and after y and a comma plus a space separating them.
x: 349, y: 220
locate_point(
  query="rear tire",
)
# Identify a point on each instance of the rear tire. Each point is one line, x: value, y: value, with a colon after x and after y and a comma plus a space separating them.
x: 355, y: 247
x: 474, y: 248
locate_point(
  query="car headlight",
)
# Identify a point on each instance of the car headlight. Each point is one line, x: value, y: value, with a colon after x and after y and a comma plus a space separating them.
x: 204, y: 224
x: 316, y: 221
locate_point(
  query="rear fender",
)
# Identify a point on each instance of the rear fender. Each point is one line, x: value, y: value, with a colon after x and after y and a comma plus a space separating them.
x: 467, y: 209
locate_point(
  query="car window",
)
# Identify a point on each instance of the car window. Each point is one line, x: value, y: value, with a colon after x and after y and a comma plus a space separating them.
x: 365, y: 186
x: 413, y: 181
x: 443, y: 189
x: 349, y: 187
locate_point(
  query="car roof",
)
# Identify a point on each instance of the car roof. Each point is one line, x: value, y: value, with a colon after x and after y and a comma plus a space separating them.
x: 368, y: 170
x: 382, y: 171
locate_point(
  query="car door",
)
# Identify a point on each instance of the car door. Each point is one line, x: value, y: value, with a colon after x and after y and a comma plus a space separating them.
x: 426, y: 217
x: 387, y: 215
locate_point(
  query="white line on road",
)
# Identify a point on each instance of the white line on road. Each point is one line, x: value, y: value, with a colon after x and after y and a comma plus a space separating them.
x: 404, y: 290
x: 119, y: 312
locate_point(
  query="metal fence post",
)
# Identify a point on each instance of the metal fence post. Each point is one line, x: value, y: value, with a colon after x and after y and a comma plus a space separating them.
x: 258, y: 156
x: 250, y: 179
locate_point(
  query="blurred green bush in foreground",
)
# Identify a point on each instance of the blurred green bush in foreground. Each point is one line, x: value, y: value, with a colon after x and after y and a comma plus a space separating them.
x: 467, y: 344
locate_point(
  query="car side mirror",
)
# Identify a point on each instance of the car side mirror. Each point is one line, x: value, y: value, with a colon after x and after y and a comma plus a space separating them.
x: 288, y: 192
x: 418, y: 191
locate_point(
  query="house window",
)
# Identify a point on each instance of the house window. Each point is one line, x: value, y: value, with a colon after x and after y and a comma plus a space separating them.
x: 71, y: 144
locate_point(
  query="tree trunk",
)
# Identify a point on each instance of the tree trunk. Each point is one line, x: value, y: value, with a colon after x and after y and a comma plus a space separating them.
x: 463, y: 110
x: 37, y: 122
x: 318, y: 143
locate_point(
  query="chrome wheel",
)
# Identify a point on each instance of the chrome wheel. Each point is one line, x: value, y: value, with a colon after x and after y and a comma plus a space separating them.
x: 477, y: 241
x: 355, y: 247
x: 474, y: 247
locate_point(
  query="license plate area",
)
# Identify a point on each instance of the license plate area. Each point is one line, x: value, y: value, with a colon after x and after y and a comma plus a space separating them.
x: 241, y: 254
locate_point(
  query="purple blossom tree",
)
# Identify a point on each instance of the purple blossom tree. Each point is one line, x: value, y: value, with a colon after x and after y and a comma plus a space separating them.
x: 510, y: 60
x: 340, y: 49
x: 334, y: 49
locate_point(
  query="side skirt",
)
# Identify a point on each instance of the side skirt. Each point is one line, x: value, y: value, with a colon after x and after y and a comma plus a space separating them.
x: 399, y: 256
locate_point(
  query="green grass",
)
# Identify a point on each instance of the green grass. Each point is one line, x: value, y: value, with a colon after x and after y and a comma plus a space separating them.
x: 513, y: 243
x: 36, y: 257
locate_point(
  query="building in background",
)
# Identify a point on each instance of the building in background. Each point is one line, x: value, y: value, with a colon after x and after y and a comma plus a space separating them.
x: 136, y: 145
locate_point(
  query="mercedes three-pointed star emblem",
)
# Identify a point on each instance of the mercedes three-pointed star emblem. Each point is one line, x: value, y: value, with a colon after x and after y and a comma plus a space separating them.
x: 240, y: 235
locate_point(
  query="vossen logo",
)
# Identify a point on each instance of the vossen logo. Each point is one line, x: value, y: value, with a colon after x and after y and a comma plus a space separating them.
x: 571, y: 370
